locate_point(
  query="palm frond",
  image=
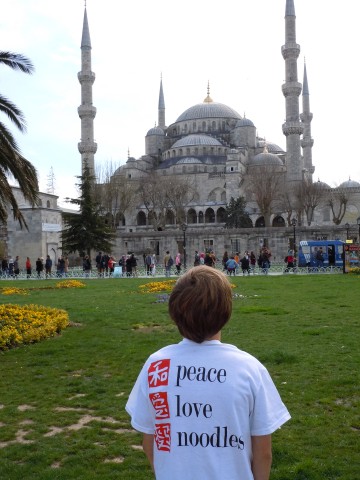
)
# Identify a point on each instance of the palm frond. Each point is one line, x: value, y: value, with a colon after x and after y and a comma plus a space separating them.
x: 16, y: 61
x: 13, y: 113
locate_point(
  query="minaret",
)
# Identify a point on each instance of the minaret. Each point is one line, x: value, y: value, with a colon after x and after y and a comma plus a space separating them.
x: 292, y: 128
x: 87, y: 112
x: 161, y: 108
x: 306, y: 117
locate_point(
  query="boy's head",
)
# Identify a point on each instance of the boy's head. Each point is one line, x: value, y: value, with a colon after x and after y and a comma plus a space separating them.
x: 201, y: 303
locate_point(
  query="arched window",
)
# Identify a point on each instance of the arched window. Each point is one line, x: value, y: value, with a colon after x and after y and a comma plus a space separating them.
x: 191, y: 216
x: 213, y: 125
x: 201, y: 217
x: 223, y: 196
x: 120, y: 220
x: 209, y: 216
x: 180, y: 152
x: 220, y: 215
x: 260, y: 222
x: 48, y: 204
x: 196, y: 151
x: 194, y: 126
x: 141, y: 218
x: 203, y: 126
x: 278, y: 221
x: 170, y: 217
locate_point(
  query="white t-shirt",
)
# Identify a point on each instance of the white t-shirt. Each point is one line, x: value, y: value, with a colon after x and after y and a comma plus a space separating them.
x: 203, y: 402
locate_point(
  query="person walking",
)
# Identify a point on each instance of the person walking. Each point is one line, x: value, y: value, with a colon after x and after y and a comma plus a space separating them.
x: 178, y: 264
x: 28, y: 267
x: 48, y: 266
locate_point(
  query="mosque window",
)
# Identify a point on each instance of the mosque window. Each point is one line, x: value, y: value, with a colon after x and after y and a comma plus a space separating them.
x: 48, y: 204
x: 203, y: 126
x: 180, y: 152
x: 173, y: 153
x: 40, y: 203
x: 188, y: 151
x: 129, y: 175
x: 141, y: 218
x: 214, y: 125
x: 219, y: 151
x: 212, y: 197
x: 223, y: 196
x: 196, y: 151
x: 223, y: 125
x: 204, y: 150
x: 212, y: 150
x: 194, y: 126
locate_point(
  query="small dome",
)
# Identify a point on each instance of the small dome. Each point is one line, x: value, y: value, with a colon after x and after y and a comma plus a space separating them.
x: 191, y: 140
x: 188, y: 160
x: 262, y: 159
x: 349, y: 184
x: 130, y: 159
x: 244, y: 122
x: 155, y: 131
x: 322, y: 184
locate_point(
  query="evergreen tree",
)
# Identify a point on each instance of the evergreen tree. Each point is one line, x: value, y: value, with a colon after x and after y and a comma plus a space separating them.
x: 87, y: 229
x: 235, y: 214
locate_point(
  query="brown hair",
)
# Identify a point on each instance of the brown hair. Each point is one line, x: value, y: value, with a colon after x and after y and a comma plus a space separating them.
x: 201, y: 303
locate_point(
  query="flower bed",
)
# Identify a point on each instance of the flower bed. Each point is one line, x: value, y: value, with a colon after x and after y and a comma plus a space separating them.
x: 29, y: 323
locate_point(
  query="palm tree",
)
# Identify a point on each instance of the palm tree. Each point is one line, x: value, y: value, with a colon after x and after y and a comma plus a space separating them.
x: 12, y: 163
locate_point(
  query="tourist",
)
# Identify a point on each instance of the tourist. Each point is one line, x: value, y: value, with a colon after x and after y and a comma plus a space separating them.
x: 28, y: 267
x: 206, y: 409
x: 178, y: 264
x: 48, y: 266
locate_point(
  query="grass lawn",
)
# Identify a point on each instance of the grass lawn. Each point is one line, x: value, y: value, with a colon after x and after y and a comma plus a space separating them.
x: 62, y: 400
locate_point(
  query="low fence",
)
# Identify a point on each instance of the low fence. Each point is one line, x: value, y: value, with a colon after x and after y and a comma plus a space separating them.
x: 141, y: 272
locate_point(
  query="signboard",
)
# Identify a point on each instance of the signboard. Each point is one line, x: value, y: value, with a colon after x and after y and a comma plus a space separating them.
x: 51, y: 227
x: 352, y: 256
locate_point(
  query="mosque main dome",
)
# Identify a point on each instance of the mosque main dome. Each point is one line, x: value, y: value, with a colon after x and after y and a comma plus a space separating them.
x: 208, y: 109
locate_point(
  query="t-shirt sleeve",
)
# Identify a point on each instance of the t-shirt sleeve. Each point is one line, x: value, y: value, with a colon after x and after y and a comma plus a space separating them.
x: 269, y: 412
x: 138, y: 405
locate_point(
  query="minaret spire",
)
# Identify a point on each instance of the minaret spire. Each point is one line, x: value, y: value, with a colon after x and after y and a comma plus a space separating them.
x: 292, y: 128
x: 87, y: 112
x: 161, y: 108
x: 306, y: 118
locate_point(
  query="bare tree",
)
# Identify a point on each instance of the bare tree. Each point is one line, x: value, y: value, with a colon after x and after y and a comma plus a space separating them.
x: 337, y: 199
x: 152, y: 195
x: 179, y: 192
x: 308, y: 196
x: 265, y: 184
x: 113, y: 192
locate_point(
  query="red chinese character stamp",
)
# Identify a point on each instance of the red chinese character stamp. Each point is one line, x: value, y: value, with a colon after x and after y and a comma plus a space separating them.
x: 158, y: 373
x: 159, y: 401
x: 163, y: 436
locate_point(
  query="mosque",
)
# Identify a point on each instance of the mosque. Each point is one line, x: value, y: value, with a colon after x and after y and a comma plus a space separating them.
x: 214, y: 151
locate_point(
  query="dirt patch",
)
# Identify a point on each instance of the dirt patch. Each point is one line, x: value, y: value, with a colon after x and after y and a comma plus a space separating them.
x: 24, y: 408
x: 114, y: 460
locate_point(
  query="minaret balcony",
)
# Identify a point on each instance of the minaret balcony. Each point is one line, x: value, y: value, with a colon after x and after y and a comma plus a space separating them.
x: 292, y: 128
x: 86, y: 77
x: 307, y: 142
x: 306, y: 117
x: 87, y: 147
x: 86, y: 111
x: 290, y: 50
x: 291, y: 89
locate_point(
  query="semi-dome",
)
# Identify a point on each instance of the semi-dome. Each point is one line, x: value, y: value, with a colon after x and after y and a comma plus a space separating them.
x: 208, y: 110
x: 271, y: 147
x: 244, y: 122
x: 349, y: 184
x: 191, y: 140
x: 155, y: 131
x: 262, y: 159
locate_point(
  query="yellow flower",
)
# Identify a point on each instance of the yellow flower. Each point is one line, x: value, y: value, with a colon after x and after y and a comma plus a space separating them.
x: 70, y: 284
x: 29, y: 323
x: 155, y: 287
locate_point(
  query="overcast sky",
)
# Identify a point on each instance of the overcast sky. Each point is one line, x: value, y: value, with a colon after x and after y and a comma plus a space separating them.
x: 233, y: 44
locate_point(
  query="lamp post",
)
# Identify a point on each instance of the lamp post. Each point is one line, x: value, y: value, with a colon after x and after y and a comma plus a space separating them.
x: 347, y: 226
x: 184, y: 227
x: 293, y: 223
x: 358, y: 222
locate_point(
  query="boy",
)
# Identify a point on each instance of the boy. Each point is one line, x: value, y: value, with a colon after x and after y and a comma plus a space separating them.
x: 206, y: 409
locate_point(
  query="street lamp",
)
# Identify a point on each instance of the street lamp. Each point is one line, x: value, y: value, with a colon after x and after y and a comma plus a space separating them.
x: 184, y: 227
x: 358, y: 222
x: 293, y: 223
x: 347, y: 226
